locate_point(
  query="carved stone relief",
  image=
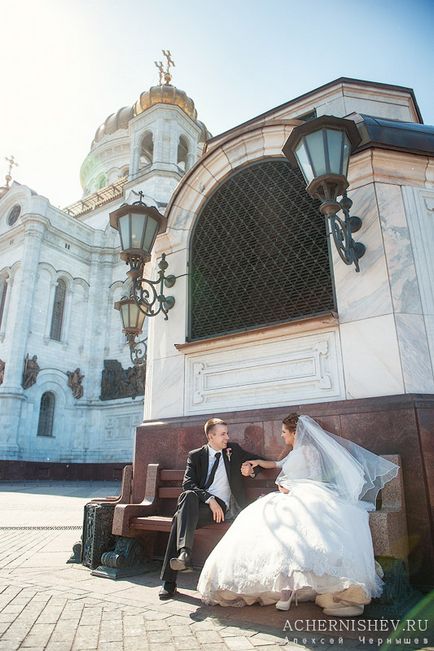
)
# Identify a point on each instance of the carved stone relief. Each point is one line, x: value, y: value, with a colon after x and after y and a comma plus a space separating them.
x: 117, y: 382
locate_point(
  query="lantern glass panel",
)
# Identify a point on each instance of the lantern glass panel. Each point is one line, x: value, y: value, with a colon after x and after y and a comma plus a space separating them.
x: 124, y: 231
x: 315, y: 146
x: 335, y: 141
x: 346, y: 155
x: 150, y: 234
x: 138, y: 225
x: 304, y: 162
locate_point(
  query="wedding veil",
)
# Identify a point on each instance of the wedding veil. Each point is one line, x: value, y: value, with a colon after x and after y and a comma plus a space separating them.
x: 353, y: 472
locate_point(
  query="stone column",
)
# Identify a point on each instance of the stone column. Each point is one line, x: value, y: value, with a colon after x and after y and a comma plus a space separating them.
x: 22, y: 304
x: 97, y: 332
x: 19, y: 321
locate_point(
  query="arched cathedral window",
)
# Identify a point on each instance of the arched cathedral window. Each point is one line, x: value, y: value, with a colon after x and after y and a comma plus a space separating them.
x: 146, y: 150
x: 259, y: 253
x: 3, y: 292
x: 182, y: 153
x: 58, y: 310
x: 46, y: 414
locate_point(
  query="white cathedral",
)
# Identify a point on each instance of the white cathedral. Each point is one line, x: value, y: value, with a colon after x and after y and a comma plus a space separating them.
x: 266, y: 313
x: 60, y: 274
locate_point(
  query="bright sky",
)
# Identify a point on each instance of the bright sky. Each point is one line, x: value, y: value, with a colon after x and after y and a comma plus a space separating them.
x: 67, y: 64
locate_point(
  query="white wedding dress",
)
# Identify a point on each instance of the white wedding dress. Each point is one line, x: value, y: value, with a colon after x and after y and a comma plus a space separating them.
x: 313, y: 537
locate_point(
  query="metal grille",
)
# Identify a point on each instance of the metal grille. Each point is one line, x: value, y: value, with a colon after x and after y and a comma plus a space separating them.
x: 259, y: 253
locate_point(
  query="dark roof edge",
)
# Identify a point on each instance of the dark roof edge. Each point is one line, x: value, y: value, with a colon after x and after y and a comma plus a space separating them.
x: 339, y: 80
x: 395, y: 135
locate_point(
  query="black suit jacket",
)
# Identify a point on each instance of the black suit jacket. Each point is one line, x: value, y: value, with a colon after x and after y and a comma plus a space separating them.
x: 197, y: 470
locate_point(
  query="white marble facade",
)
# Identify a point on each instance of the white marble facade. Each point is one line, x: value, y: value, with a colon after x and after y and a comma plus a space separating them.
x: 77, y: 246
x: 380, y: 342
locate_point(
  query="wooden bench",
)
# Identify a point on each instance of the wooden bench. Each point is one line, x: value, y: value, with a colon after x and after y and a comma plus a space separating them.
x: 150, y: 520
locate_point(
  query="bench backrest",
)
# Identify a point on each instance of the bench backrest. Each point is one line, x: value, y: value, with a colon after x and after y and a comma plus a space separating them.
x: 165, y: 485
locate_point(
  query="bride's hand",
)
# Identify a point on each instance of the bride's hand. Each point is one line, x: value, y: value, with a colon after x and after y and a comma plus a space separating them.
x: 283, y: 490
x: 246, y: 469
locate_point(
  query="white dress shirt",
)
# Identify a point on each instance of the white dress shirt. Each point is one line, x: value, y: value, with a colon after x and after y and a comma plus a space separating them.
x: 220, y: 486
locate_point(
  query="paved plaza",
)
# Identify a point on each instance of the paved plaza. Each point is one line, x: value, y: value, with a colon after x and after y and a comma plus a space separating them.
x: 47, y: 604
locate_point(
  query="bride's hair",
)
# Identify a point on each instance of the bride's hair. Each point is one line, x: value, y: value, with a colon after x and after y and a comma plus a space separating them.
x: 291, y: 420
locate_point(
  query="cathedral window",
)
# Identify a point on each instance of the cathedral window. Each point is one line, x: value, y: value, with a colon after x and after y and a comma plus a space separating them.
x: 46, y: 414
x: 147, y: 150
x: 258, y: 253
x: 3, y: 291
x: 58, y: 310
x: 182, y: 153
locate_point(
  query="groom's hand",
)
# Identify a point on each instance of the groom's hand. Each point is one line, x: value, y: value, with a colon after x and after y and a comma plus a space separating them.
x: 247, y: 469
x: 217, y: 511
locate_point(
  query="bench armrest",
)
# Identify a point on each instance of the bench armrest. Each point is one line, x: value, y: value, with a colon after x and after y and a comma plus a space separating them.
x: 148, y: 506
x: 125, y: 494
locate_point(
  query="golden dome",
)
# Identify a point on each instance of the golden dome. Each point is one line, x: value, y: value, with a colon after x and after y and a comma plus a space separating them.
x: 114, y: 122
x: 165, y: 94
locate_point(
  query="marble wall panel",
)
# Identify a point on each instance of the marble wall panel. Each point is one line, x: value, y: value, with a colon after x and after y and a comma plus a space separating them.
x: 200, y: 180
x: 371, y: 357
x: 165, y: 388
x: 429, y: 325
x: 366, y: 293
x: 241, y: 376
x: 415, y: 355
x: 190, y: 200
x: 217, y: 164
x: 235, y: 151
x: 255, y: 145
x: 274, y: 139
x: 419, y: 207
x: 399, y: 253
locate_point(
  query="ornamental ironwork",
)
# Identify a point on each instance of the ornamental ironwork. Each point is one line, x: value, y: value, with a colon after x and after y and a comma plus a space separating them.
x: 259, y: 253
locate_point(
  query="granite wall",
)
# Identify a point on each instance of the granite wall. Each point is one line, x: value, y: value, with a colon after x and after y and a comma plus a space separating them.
x: 401, y: 425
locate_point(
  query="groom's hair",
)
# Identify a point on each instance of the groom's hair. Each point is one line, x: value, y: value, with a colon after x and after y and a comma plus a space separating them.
x: 211, y: 423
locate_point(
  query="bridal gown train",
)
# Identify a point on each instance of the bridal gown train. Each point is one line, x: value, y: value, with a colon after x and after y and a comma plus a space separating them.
x: 308, y: 538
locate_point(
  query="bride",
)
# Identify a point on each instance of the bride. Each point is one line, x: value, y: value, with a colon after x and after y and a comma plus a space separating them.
x: 311, y: 540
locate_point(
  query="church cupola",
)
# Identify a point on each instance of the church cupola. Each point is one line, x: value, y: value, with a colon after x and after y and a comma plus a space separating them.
x: 159, y: 135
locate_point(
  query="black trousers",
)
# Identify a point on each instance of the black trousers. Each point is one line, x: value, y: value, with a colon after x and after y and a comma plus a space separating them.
x: 191, y: 514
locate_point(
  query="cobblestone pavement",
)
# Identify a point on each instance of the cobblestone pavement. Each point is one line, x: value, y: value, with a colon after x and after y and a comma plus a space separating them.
x: 46, y: 604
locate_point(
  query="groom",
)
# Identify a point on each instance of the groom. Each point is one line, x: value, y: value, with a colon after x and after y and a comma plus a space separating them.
x: 213, y: 489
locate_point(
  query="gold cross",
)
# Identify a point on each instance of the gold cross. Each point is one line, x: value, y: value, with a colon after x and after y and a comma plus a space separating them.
x: 160, y: 67
x: 11, y: 162
x: 165, y: 74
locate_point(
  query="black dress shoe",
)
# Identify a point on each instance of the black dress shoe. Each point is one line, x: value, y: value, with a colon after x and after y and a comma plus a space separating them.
x: 182, y: 563
x: 167, y: 590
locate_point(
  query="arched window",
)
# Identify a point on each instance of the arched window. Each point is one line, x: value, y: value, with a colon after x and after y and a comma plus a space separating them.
x: 46, y: 414
x: 3, y: 292
x: 259, y: 253
x: 182, y: 153
x: 146, y: 150
x: 58, y: 310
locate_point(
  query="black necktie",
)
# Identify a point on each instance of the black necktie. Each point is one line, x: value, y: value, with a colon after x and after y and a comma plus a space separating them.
x: 210, y: 479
